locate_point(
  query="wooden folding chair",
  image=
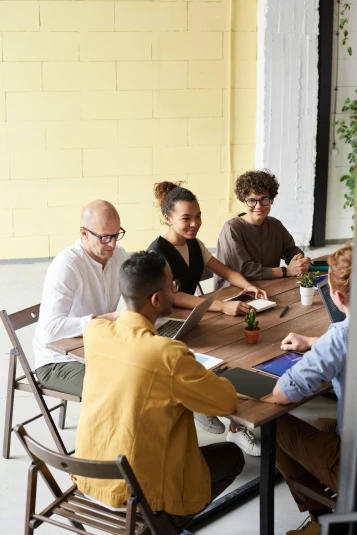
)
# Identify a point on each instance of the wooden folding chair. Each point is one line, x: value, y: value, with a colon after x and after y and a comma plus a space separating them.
x: 73, y: 506
x: 28, y: 381
x: 207, y: 274
x: 317, y: 491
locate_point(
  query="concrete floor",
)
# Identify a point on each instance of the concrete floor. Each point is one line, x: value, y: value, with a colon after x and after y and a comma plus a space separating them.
x: 20, y: 287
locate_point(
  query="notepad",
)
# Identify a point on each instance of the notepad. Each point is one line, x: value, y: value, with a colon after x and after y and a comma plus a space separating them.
x: 261, y: 304
x: 258, y: 304
x: 250, y: 384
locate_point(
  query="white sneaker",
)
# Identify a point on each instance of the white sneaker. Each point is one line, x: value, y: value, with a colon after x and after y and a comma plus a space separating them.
x: 246, y: 440
x: 209, y: 423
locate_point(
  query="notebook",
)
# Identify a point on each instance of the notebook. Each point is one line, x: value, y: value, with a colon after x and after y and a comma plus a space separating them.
x: 335, y: 314
x: 207, y: 361
x: 251, y: 384
x: 278, y: 365
x: 258, y: 304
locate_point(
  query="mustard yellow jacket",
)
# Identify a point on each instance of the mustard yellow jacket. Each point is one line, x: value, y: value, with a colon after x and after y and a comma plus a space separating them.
x: 140, y: 391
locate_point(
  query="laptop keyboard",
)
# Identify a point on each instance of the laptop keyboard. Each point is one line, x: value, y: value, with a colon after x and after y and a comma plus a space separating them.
x: 170, y: 328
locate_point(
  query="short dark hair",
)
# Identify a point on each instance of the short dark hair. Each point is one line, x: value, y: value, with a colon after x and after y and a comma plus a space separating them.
x: 256, y: 182
x: 142, y: 274
x: 169, y: 193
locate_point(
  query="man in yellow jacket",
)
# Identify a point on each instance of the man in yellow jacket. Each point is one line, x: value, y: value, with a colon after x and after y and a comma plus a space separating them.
x: 140, y: 391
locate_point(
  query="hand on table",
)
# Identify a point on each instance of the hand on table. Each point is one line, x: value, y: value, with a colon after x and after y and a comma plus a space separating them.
x: 235, y: 308
x: 297, y: 342
x: 257, y: 292
x: 298, y: 264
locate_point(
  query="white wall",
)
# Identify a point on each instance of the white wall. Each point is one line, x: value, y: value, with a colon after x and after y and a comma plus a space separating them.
x: 287, y: 106
x: 339, y: 220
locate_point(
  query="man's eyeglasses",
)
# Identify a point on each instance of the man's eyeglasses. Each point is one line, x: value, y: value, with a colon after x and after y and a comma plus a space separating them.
x: 264, y: 201
x: 175, y: 286
x: 107, y: 238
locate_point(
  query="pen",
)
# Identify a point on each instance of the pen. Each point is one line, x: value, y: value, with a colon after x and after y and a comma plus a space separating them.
x: 284, y: 311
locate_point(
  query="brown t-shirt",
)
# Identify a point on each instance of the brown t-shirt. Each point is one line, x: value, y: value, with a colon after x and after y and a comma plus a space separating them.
x: 253, y: 250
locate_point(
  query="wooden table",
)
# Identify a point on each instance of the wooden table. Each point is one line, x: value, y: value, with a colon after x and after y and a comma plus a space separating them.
x: 223, y: 336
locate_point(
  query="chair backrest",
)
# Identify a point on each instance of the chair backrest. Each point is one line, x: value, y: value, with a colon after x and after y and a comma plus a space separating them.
x: 119, y: 469
x: 71, y: 465
x: 18, y: 320
x: 207, y: 274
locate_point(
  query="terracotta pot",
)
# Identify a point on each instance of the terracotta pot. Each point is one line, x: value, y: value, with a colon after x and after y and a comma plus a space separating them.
x: 307, y: 295
x: 252, y: 337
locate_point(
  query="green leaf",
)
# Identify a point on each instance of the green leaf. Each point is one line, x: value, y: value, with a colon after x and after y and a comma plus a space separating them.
x: 349, y: 50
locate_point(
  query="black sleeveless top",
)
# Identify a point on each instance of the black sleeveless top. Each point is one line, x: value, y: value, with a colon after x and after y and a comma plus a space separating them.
x: 188, y: 275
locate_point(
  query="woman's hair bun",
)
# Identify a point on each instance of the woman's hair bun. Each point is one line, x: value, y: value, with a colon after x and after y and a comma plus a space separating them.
x: 161, y: 189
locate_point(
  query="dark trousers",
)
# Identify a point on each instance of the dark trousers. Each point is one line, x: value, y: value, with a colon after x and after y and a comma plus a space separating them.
x: 310, y: 453
x: 225, y: 462
x: 64, y: 377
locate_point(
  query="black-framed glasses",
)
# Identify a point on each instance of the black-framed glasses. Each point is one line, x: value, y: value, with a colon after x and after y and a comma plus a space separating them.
x: 175, y: 286
x: 107, y: 238
x: 264, y: 201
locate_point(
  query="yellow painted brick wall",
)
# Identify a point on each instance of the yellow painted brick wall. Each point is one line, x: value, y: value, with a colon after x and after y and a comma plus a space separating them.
x: 103, y: 98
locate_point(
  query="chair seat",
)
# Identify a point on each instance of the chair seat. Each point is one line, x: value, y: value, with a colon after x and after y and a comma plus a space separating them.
x: 25, y: 387
x: 316, y: 490
x: 75, y: 507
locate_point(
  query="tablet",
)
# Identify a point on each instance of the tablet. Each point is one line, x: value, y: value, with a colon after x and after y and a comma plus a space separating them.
x: 245, y: 298
x: 277, y: 366
x: 249, y: 383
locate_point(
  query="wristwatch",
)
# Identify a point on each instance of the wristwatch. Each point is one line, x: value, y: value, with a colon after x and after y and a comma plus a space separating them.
x: 284, y: 270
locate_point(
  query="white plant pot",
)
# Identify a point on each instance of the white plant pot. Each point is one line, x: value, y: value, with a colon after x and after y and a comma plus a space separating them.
x: 307, y: 295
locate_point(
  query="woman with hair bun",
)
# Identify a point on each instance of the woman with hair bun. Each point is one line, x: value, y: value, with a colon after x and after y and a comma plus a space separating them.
x: 187, y: 257
x: 312, y: 452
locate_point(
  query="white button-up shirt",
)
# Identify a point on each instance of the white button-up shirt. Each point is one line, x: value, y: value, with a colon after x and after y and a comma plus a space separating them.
x: 76, y: 288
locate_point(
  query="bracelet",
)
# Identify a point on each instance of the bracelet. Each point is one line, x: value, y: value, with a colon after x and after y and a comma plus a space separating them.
x: 284, y: 270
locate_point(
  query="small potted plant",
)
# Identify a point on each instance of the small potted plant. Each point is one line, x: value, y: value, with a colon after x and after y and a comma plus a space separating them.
x: 306, y: 281
x: 252, y: 330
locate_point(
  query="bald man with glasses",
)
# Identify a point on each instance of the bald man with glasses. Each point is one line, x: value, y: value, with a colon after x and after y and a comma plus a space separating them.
x: 81, y: 283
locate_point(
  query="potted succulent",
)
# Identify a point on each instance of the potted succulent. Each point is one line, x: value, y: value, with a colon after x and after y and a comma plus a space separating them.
x: 252, y: 330
x: 306, y: 281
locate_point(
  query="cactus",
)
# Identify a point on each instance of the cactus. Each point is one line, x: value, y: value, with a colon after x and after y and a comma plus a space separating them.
x: 252, y: 325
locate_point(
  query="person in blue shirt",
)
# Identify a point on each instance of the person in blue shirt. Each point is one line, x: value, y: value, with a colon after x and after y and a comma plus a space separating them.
x: 311, y: 453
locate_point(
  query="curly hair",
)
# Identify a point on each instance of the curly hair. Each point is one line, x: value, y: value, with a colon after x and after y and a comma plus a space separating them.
x: 169, y: 193
x: 340, y: 271
x: 256, y: 182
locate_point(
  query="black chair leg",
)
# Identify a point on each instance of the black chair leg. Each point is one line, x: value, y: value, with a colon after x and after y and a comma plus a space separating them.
x: 62, y: 414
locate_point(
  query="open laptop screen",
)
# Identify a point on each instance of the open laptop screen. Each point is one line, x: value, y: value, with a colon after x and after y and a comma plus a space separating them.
x: 335, y: 314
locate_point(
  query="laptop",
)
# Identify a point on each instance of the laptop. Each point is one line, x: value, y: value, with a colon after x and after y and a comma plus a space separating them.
x: 174, y: 328
x: 335, y: 314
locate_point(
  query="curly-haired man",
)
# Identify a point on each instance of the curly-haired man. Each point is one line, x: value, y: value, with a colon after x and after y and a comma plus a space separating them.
x: 253, y: 243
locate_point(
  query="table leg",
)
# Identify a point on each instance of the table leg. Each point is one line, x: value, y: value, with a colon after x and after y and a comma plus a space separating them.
x: 267, y: 478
